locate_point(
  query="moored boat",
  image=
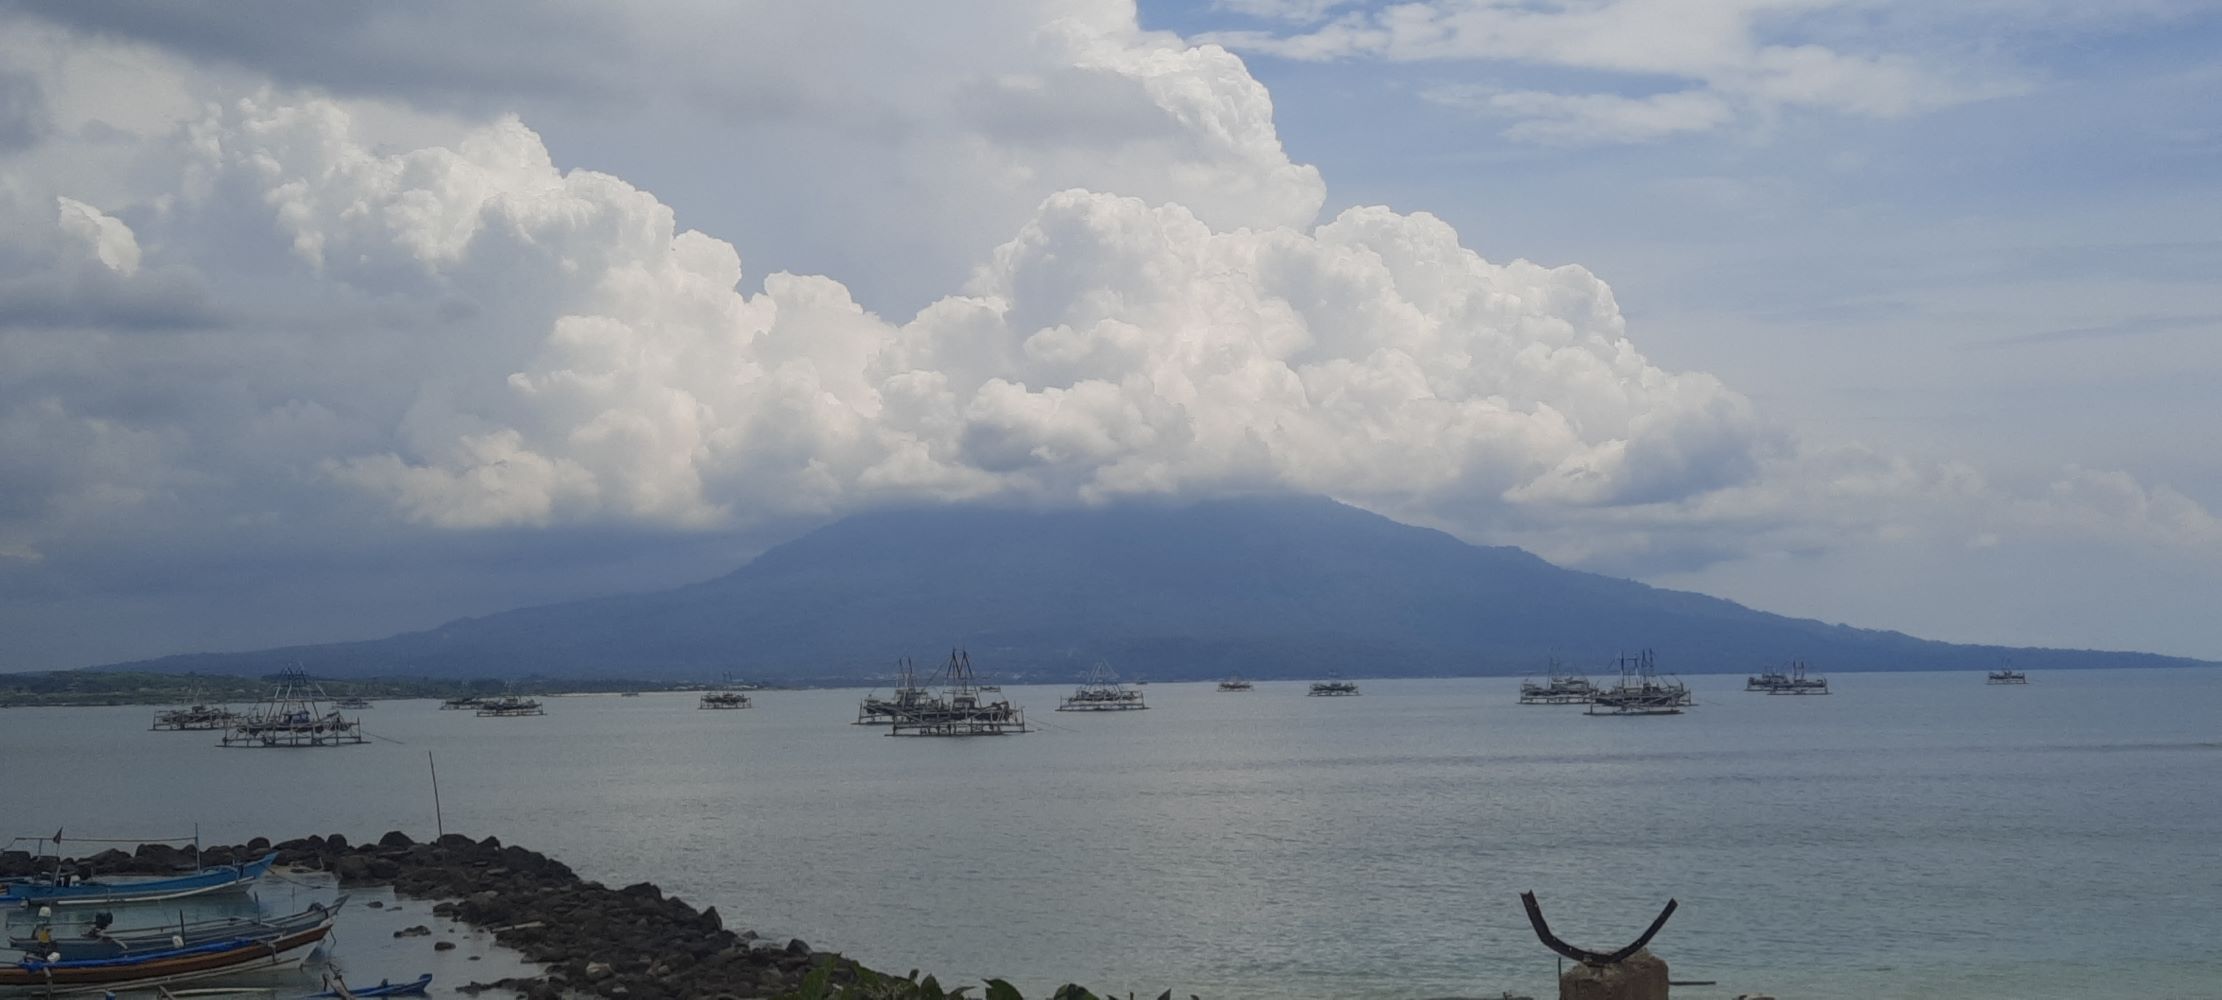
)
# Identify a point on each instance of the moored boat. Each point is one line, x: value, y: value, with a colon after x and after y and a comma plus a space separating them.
x: 37, y: 976
x: 1235, y: 683
x: 1332, y: 689
x: 98, y: 940
x: 70, y: 891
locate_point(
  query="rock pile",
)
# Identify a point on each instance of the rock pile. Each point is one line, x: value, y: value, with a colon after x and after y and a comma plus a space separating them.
x: 633, y: 942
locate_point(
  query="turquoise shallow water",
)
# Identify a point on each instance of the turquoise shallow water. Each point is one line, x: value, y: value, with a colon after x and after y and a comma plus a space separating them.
x: 1913, y: 835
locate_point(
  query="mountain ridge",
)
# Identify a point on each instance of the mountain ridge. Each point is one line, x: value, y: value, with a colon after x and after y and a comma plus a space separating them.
x: 1264, y: 586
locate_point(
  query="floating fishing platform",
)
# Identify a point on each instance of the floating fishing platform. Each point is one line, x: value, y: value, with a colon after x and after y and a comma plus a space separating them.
x: 1558, y: 688
x: 509, y: 706
x: 1641, y: 691
x: 293, y: 717
x: 908, y: 700
x: 958, y: 710
x: 1102, y: 692
x: 2006, y: 677
x: 197, y: 716
x: 725, y: 697
x: 1332, y: 689
x: 1792, y: 681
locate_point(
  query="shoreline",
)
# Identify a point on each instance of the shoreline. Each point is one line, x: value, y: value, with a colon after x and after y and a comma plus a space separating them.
x: 589, y: 940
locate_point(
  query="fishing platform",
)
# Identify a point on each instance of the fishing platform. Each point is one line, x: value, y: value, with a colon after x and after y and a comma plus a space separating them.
x: 909, y: 699
x: 957, y: 710
x: 1559, y: 687
x: 294, y: 717
x: 197, y: 716
x: 1102, y: 692
x: 1641, y: 691
x: 509, y: 706
x: 1792, y: 681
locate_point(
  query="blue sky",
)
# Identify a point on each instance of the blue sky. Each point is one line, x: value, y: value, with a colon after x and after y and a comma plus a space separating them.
x: 325, y: 323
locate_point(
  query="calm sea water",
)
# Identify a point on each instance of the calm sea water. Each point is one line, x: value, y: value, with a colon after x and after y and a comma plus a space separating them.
x: 1912, y: 835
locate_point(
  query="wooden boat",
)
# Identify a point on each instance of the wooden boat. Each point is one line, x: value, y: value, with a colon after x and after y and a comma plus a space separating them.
x: 48, y: 891
x: 36, y: 976
x: 2007, y: 677
x: 469, y: 701
x: 413, y: 988
x: 1235, y: 683
x: 725, y: 701
x: 98, y: 941
x: 1332, y: 689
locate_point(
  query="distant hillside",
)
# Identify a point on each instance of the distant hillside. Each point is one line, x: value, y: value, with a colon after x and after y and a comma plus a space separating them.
x: 1267, y: 587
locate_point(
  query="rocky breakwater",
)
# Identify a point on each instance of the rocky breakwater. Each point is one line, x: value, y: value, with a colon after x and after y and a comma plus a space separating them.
x: 633, y: 942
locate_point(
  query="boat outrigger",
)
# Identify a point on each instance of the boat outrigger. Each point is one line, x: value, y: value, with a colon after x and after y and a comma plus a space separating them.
x: 62, y: 889
x: 1102, y: 692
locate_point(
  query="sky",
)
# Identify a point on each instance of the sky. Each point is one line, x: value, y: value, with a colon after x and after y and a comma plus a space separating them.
x: 322, y: 322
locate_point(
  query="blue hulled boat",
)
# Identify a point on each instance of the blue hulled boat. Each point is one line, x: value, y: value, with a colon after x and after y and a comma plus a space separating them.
x: 47, y: 891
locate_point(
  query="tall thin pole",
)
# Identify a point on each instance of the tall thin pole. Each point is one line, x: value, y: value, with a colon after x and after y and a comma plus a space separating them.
x: 439, y: 824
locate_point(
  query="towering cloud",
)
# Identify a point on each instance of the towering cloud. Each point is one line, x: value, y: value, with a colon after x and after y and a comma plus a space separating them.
x: 239, y: 313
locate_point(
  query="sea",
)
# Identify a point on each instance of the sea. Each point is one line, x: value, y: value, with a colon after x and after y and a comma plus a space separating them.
x: 1915, y: 835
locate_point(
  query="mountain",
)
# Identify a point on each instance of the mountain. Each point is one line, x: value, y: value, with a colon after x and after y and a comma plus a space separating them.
x: 1279, y: 587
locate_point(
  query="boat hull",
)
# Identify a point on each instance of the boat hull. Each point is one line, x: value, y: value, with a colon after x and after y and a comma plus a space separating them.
x: 228, y: 878
x: 30, y: 978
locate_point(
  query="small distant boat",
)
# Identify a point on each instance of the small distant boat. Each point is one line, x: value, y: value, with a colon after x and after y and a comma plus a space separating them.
x: 1332, y: 689
x: 99, y: 941
x: 628, y: 694
x: 1235, y: 683
x: 36, y: 976
x: 352, y: 701
x: 2007, y: 677
x: 469, y: 701
x: 68, y: 891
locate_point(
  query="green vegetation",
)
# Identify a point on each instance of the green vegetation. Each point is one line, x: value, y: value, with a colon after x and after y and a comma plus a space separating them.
x: 102, y: 687
x: 837, y: 978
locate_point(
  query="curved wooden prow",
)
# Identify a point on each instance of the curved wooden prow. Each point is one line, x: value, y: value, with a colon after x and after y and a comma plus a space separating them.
x: 1584, y: 955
